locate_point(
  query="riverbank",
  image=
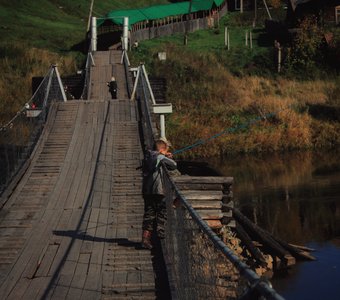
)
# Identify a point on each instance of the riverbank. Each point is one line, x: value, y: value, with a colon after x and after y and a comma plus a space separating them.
x: 208, y: 99
x: 214, y: 90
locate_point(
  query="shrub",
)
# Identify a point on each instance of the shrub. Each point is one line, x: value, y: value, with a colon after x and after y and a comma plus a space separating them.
x: 305, y: 51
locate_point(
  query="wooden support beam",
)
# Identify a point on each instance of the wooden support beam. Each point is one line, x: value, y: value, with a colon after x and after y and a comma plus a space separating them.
x: 204, y: 179
x: 264, y: 237
x: 248, y: 243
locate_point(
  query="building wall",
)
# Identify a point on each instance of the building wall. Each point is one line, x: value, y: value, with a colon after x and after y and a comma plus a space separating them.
x: 170, y: 26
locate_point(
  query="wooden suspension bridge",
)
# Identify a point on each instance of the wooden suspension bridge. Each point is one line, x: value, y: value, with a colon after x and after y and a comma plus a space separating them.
x: 71, y: 228
x: 70, y: 223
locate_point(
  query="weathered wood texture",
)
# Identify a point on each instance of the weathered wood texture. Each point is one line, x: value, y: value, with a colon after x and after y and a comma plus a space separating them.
x: 72, y: 227
x: 107, y: 64
x: 210, y: 196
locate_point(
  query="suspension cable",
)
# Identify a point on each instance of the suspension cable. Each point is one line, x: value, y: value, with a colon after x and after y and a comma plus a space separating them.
x: 23, y: 108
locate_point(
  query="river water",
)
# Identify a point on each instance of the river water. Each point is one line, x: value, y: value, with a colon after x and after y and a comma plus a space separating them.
x: 296, y: 197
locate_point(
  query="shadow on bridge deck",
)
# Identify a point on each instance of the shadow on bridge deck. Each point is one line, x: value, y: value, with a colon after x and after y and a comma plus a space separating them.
x: 72, y: 227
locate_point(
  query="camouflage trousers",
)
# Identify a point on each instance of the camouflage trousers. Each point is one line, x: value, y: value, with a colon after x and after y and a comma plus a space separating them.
x: 154, y: 214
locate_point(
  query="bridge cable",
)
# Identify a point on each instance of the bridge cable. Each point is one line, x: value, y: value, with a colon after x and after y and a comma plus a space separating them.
x: 23, y: 108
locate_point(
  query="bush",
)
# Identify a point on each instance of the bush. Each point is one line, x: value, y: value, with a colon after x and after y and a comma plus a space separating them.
x: 306, y: 49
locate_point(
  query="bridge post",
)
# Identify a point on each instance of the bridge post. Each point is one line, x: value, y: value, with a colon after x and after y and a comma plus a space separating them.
x: 162, y: 125
x: 61, y: 86
x: 126, y: 34
x: 94, y: 34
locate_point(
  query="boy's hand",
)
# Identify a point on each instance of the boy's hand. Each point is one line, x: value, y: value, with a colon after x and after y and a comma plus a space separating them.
x: 169, y: 155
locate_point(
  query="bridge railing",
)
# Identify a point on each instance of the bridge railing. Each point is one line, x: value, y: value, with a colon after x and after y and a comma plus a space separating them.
x: 200, y: 265
x: 19, y: 135
x: 87, y: 76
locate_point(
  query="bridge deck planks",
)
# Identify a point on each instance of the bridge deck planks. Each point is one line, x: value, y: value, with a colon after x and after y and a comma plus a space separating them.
x: 72, y: 227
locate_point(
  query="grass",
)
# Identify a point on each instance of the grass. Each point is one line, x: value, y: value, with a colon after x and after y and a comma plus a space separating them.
x: 35, y: 34
x: 53, y: 24
x: 239, y: 59
x: 213, y: 89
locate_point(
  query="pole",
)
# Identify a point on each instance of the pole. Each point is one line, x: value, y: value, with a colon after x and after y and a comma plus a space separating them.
x: 247, y: 38
x: 255, y: 13
x: 47, y: 92
x: 162, y: 124
x: 126, y: 34
x: 279, y: 58
x: 149, y: 85
x: 225, y: 36
x: 241, y: 6
x: 228, y: 41
x: 251, y: 39
x: 90, y: 15
x: 94, y: 34
x: 268, y: 12
x: 61, y: 86
x: 136, y: 83
x: 187, y: 25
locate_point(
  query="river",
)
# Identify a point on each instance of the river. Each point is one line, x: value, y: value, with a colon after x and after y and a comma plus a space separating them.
x: 296, y: 197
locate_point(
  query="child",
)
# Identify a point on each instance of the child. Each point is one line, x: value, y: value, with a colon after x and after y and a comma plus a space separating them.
x: 153, y: 190
x: 113, y: 87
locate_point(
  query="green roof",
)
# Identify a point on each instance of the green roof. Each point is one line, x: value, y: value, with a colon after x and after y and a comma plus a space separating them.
x: 158, y: 11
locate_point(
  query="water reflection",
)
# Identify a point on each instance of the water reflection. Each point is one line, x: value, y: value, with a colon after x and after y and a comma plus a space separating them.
x: 296, y: 197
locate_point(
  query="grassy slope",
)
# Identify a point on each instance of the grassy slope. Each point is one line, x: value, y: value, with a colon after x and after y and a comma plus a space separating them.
x: 213, y: 89
x: 36, y: 33
x: 53, y: 24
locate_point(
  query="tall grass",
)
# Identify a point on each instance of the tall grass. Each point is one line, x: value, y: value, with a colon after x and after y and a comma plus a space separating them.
x: 18, y: 65
x: 208, y: 99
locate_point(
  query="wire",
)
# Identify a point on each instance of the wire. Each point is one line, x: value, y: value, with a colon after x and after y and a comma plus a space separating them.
x: 23, y: 108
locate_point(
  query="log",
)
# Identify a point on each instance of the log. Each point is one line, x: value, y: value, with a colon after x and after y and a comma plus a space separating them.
x: 200, y: 186
x: 227, y: 206
x: 246, y: 240
x: 210, y: 214
x: 206, y: 204
x: 303, y: 248
x: 296, y: 252
x: 227, y: 198
x: 264, y: 237
x: 202, y: 195
x: 214, y: 224
x: 204, y: 179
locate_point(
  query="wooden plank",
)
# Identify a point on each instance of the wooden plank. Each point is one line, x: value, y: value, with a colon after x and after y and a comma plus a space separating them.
x: 202, y: 195
x: 210, y: 214
x: 215, y: 224
x: 36, y: 287
x: 199, y: 186
x: 67, y: 273
x: 60, y: 292
x: 19, y: 292
x: 212, y: 204
x: 47, y: 260
x: 74, y: 293
x: 204, y: 179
